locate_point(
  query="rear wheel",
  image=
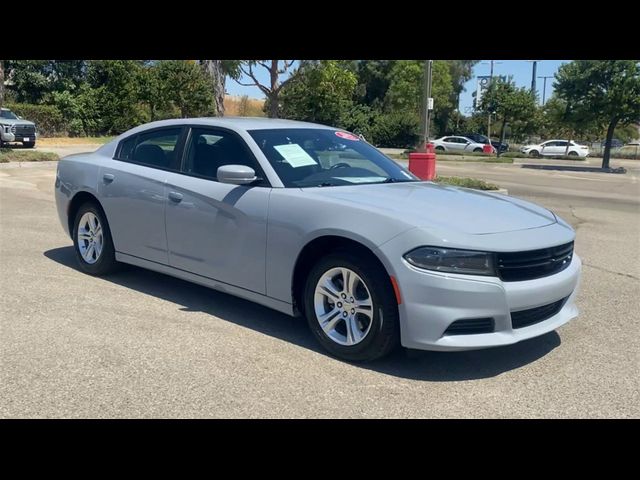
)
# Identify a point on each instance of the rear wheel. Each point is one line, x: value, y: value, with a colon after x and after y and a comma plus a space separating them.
x: 92, y: 241
x: 573, y: 154
x: 351, y: 307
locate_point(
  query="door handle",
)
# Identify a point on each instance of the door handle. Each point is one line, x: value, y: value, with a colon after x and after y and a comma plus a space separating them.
x: 175, y: 197
x: 108, y: 177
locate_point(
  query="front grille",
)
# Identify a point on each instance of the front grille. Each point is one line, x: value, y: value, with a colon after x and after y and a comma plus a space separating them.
x: 470, y: 326
x: 524, y: 318
x: 23, y: 129
x: 519, y: 266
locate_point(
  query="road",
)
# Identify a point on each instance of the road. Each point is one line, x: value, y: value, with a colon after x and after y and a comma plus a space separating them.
x: 141, y: 344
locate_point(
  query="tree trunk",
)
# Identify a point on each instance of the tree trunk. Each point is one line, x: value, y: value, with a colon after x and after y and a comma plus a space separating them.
x: 218, y: 77
x: 607, y: 145
x: 275, y: 90
x: 502, y: 132
x: 1, y: 83
x: 566, y: 150
x: 273, y: 105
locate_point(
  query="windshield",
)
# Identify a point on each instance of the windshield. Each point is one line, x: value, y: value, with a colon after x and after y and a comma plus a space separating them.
x: 8, y: 114
x: 313, y: 157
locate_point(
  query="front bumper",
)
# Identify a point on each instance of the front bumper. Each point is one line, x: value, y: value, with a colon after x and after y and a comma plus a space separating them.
x: 11, y: 137
x: 432, y: 301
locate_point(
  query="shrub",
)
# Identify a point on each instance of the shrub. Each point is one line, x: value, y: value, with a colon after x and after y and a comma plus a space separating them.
x: 399, y: 130
x: 48, y: 119
x: 466, y: 182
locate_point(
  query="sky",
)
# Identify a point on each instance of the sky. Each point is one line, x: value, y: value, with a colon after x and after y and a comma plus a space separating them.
x: 520, y: 69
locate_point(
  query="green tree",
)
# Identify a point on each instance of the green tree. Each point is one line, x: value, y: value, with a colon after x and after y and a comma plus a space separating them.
x: 374, y: 77
x: 185, y: 85
x: 33, y: 80
x: 461, y: 72
x: 116, y: 86
x: 1, y: 83
x: 322, y: 92
x: 510, y: 104
x: 604, y: 92
x: 405, y: 93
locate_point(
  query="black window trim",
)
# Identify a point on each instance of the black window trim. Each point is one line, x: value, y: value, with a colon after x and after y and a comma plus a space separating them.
x: 190, y: 127
x: 179, y: 148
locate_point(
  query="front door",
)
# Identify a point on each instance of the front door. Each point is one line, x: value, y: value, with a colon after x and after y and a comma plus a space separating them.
x: 214, y: 229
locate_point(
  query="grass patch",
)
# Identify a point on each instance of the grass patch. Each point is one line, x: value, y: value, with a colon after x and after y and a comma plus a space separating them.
x: 514, y: 155
x: 62, y: 141
x: 446, y: 157
x: 9, y: 155
x: 467, y: 182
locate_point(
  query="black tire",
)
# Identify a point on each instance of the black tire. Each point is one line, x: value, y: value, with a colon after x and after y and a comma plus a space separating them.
x: 573, y: 154
x: 534, y: 153
x: 440, y: 149
x: 106, y: 262
x: 384, y: 333
x: 28, y: 144
x: 476, y: 150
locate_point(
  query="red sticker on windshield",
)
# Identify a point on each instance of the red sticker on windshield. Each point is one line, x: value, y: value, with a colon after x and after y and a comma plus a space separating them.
x: 348, y: 136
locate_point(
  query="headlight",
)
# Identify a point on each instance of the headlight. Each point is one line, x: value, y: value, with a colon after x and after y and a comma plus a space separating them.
x: 452, y: 260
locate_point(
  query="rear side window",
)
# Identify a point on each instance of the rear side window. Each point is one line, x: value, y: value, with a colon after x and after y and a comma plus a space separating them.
x: 126, y: 148
x: 155, y: 149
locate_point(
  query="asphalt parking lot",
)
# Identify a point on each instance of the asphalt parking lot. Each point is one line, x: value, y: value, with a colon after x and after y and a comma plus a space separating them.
x: 141, y: 344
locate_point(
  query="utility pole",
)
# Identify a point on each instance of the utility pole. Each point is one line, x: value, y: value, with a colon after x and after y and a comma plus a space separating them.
x: 427, y: 105
x: 544, y: 87
x: 533, y: 76
x: 491, y: 62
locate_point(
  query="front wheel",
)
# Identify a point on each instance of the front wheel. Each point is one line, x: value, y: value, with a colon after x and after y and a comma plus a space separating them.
x: 351, y: 307
x: 573, y: 154
x: 440, y: 149
x: 92, y: 241
x: 534, y: 153
x: 477, y: 150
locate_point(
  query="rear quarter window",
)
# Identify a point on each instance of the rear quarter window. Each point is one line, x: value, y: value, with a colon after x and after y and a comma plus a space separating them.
x: 125, y: 151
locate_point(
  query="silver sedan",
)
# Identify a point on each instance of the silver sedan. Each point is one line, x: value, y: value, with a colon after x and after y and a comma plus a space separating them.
x: 312, y: 220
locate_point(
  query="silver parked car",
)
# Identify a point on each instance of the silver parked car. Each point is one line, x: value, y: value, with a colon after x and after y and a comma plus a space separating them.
x: 312, y: 220
x: 457, y: 144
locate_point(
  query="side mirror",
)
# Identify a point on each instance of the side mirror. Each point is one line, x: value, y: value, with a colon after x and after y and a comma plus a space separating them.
x: 236, y: 174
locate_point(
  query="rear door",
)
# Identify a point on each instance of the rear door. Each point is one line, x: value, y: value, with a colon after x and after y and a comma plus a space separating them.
x: 132, y: 192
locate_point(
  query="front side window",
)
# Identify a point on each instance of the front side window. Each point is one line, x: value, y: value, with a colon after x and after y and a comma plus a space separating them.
x: 310, y: 157
x: 8, y: 114
x: 210, y: 149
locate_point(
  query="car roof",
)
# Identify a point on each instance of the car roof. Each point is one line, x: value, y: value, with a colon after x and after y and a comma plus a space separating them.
x: 238, y: 123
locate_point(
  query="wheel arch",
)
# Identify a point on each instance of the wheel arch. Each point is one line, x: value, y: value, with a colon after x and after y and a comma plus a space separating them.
x: 79, y: 199
x: 322, y: 245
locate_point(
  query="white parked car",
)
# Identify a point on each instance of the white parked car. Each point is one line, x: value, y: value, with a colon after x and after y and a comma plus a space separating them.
x: 457, y: 144
x: 556, y: 148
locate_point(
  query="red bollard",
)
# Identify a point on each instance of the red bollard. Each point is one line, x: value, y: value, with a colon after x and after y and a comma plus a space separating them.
x: 487, y: 148
x: 423, y: 164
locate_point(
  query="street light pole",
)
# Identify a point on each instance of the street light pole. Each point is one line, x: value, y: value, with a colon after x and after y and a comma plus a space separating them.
x: 426, y: 97
x: 544, y: 87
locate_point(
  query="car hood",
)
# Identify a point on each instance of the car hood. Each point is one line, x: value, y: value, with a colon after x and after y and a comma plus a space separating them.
x: 11, y: 121
x: 426, y: 204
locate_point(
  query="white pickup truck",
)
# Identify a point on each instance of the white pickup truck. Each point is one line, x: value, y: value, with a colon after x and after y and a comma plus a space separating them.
x: 14, y: 129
